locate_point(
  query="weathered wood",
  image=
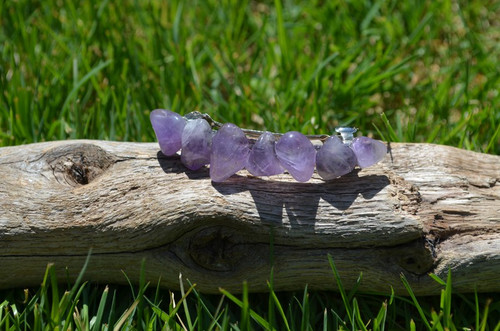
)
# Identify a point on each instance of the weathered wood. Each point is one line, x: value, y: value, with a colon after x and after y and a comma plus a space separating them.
x: 425, y: 208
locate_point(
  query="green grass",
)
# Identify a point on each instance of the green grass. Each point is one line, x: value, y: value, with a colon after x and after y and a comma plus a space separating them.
x: 413, y: 71
x: 96, y: 70
x: 83, y: 306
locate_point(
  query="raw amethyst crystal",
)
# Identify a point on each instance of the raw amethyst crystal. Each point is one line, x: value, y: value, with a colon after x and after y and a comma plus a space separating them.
x: 334, y: 159
x: 196, y: 144
x: 168, y: 128
x: 262, y: 160
x: 230, y: 149
x: 368, y: 151
x: 297, y: 155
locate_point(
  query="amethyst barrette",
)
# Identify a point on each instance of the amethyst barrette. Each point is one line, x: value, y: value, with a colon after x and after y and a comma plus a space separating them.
x: 229, y: 149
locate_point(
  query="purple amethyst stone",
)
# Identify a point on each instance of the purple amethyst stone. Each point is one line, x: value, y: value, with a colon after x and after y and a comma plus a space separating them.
x: 262, y: 160
x: 297, y: 155
x: 334, y: 159
x: 168, y: 128
x: 368, y: 151
x: 230, y: 149
x: 196, y: 144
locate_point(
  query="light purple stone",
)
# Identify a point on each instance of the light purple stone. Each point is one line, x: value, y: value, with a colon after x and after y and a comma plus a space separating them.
x: 196, y: 144
x: 334, y: 159
x: 230, y: 149
x: 168, y: 128
x: 262, y: 160
x: 297, y: 155
x: 368, y: 151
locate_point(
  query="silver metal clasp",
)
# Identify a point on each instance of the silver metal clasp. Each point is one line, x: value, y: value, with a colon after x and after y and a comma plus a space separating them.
x: 347, y: 134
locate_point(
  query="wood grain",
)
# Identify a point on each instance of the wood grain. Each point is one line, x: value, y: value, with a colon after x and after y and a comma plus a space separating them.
x: 425, y: 208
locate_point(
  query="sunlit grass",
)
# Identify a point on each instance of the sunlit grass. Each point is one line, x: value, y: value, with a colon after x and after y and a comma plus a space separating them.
x: 96, y: 70
x: 147, y: 307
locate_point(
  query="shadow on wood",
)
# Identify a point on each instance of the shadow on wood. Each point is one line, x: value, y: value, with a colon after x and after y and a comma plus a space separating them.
x: 425, y: 208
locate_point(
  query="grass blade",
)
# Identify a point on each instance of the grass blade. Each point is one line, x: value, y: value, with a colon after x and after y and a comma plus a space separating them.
x: 305, y: 310
x: 357, y: 316
x: 256, y: 317
x: 100, y: 310
x: 484, y: 321
x: 325, y: 320
x: 280, y: 309
x: 493, y: 140
x: 415, y: 302
x: 184, y: 303
x: 354, y: 289
x: 341, y: 290
x: 282, y: 38
x: 379, y: 321
x: 77, y: 86
x: 392, y: 134
x: 125, y: 316
x: 245, y: 309
x: 437, y: 279
x: 446, y: 307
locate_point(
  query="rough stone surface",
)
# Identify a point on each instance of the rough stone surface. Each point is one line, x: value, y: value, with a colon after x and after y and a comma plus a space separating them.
x: 196, y: 144
x: 368, y: 151
x: 334, y: 159
x: 230, y: 149
x: 262, y: 160
x: 168, y: 127
x: 297, y: 155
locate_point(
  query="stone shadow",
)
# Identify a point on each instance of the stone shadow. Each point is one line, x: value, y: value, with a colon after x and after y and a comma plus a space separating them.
x: 299, y: 200
x: 173, y: 164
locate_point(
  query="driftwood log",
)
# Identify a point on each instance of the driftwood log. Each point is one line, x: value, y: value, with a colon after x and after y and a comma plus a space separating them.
x: 424, y: 209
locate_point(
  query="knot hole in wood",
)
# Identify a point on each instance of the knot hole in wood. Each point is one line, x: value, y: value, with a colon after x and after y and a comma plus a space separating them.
x: 416, y: 257
x: 78, y: 164
x: 223, y: 249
